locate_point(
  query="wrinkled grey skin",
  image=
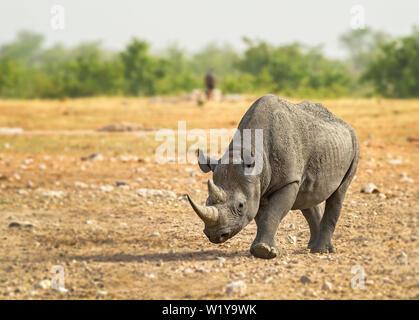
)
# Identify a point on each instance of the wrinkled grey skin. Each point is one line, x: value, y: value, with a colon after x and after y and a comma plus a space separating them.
x: 309, y: 156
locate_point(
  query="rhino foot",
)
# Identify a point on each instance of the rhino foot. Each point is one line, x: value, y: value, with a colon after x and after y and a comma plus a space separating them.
x: 310, y: 244
x: 264, y: 251
x: 321, y: 248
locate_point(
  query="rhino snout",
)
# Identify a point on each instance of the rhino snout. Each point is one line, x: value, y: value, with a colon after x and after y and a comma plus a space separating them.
x: 218, y: 237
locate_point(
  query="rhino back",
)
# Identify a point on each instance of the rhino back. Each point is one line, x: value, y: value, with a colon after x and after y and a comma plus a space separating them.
x: 303, y: 142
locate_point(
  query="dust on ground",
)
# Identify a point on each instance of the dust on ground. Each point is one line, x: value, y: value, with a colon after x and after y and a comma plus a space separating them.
x: 120, y: 226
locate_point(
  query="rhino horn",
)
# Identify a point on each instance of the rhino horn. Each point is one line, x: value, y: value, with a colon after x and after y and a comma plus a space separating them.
x: 215, y: 193
x: 208, y: 214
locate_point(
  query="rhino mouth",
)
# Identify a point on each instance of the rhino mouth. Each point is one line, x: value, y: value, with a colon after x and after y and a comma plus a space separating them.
x: 219, y: 237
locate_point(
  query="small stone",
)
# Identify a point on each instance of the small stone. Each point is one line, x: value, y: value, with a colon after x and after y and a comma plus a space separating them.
x: 101, y: 293
x: 53, y: 194
x: 44, y: 284
x: 94, y: 156
x: 79, y: 184
x: 155, y: 234
x: 293, y: 239
x: 42, y: 166
x: 327, y: 286
x: 405, y: 178
x: 382, y: 196
x: 61, y: 290
x: 403, y: 258
x: 305, y: 280
x: 369, y: 188
x: 14, y: 224
x: 237, y: 288
x: 29, y: 184
x: 106, y: 188
x: 171, y: 194
x: 22, y: 192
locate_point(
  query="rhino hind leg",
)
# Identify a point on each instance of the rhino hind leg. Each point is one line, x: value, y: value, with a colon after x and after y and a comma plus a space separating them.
x: 331, y: 214
x: 313, y: 217
x: 268, y: 219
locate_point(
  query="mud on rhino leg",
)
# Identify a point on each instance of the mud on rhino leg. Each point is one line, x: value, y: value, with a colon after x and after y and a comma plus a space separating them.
x: 323, y: 243
x: 268, y: 219
x: 313, y: 217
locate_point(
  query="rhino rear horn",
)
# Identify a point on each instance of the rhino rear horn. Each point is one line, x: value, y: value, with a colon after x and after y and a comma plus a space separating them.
x: 216, y: 194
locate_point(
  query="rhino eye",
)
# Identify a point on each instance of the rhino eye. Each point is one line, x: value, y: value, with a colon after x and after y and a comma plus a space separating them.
x: 241, y: 205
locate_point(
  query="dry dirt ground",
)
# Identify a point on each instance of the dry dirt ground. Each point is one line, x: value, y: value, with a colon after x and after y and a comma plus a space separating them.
x: 116, y: 238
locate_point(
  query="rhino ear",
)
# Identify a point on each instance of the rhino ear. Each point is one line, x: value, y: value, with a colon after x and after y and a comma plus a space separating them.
x: 206, y: 163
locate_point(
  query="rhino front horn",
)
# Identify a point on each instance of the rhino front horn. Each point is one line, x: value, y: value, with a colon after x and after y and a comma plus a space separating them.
x: 207, y: 214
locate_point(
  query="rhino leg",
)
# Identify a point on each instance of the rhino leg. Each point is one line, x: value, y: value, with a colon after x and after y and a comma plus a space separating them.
x: 268, y: 219
x: 323, y: 243
x: 313, y: 216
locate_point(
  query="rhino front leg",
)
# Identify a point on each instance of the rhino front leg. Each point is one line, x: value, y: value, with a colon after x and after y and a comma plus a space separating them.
x: 313, y: 217
x: 268, y: 219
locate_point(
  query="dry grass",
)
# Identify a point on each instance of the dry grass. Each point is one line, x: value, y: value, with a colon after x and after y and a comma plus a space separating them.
x: 105, y: 240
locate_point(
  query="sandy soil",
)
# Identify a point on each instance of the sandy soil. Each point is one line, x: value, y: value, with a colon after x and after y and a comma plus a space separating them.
x: 115, y: 241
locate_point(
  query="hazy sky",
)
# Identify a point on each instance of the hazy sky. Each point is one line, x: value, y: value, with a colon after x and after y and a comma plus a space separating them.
x: 194, y: 23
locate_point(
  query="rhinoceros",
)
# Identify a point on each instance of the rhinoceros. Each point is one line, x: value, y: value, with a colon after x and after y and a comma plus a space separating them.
x: 308, y: 156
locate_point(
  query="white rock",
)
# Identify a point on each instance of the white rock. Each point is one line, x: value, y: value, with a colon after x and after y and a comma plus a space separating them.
x: 79, y: 184
x: 42, y: 166
x: 327, y: 286
x: 53, y: 194
x: 370, y: 188
x: 28, y: 161
x: 405, y: 178
x: 293, y: 239
x: 106, y: 188
x: 397, y: 160
x: 155, y: 234
x: 171, y: 194
x: 237, y: 288
x: 44, y: 284
x: 61, y: 290
x: 403, y: 258
x: 22, y: 192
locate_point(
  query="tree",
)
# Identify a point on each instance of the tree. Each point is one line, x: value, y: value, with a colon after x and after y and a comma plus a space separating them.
x: 361, y: 46
x: 394, y: 72
x: 140, y: 69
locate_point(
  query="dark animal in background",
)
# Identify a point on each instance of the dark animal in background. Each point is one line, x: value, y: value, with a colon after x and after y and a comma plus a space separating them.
x: 210, y: 81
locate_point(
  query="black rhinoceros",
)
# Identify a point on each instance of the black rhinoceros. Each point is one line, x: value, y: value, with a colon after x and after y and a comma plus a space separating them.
x: 307, y: 156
